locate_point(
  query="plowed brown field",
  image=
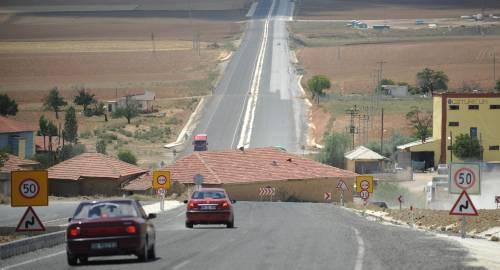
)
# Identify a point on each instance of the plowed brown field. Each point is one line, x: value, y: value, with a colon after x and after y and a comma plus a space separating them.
x: 354, y: 68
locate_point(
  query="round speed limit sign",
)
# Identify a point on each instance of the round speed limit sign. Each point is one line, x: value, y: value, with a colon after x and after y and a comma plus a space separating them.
x: 29, y: 188
x: 161, y: 180
x: 464, y: 178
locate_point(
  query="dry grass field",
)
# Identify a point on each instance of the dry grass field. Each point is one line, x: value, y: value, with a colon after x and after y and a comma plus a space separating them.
x: 392, y: 9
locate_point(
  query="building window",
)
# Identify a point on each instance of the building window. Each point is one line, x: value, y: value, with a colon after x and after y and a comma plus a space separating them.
x: 494, y: 107
x: 473, y: 132
x: 473, y: 107
x: 453, y: 124
x: 494, y: 147
x: 454, y: 107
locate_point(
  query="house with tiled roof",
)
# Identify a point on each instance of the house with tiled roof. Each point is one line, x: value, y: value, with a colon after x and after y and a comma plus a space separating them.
x: 245, y: 173
x: 14, y: 163
x: 91, y: 174
x: 17, y: 137
x: 363, y: 160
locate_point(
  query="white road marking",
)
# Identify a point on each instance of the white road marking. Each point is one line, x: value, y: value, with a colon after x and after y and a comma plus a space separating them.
x: 246, y: 131
x: 361, y: 251
x: 34, y: 260
x: 180, y: 265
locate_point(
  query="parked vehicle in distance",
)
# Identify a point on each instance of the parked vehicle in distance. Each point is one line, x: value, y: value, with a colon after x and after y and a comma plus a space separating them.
x: 111, y: 227
x: 209, y: 206
x: 200, y: 142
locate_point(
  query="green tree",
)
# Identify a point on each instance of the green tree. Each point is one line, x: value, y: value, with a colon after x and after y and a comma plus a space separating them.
x: 100, y: 109
x: 3, y: 158
x: 429, y: 80
x: 84, y: 99
x: 43, y: 129
x: 128, y: 111
x: 316, y: 85
x: 336, y: 145
x: 386, y: 81
x: 466, y: 147
x: 70, y: 125
x: 71, y: 150
x: 54, y: 101
x: 127, y: 156
x: 100, y: 146
x: 8, y: 106
x: 421, y: 121
x: 497, y: 86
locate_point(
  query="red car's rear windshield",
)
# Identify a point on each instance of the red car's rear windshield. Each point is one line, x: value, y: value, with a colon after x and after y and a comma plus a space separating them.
x: 208, y: 195
x: 105, y: 210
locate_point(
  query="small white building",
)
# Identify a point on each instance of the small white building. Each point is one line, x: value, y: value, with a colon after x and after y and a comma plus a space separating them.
x: 144, y: 102
x: 396, y: 90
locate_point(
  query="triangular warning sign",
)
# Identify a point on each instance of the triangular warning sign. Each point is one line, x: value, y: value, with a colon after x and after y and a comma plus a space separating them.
x: 342, y: 186
x: 30, y: 222
x: 463, y: 206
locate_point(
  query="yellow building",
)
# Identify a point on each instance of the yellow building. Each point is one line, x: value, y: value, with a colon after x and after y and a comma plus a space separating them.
x: 476, y: 114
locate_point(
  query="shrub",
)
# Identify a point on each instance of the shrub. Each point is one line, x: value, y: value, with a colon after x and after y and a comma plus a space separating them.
x: 68, y: 151
x: 127, y: 156
x: 85, y: 135
x: 101, y: 146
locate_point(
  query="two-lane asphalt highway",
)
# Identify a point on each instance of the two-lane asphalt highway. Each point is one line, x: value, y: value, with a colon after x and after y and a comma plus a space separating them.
x: 276, y: 236
x: 257, y: 102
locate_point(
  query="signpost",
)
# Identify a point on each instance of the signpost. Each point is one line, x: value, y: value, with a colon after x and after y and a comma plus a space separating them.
x: 198, y: 181
x: 29, y: 188
x: 30, y: 222
x: 464, y: 176
x: 327, y: 196
x: 161, y: 183
x: 497, y: 200
x: 267, y: 191
x: 364, y: 185
x: 400, y: 200
x: 341, y: 186
x: 463, y: 207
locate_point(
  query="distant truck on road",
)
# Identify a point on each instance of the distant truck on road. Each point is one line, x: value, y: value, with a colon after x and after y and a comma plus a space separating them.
x: 200, y: 142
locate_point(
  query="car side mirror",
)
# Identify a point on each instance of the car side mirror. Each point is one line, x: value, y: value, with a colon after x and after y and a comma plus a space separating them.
x: 69, y: 219
x: 151, y: 215
x: 233, y: 201
x: 185, y: 201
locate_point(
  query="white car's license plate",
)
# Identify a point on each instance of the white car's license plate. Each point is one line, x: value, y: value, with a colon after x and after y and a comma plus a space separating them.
x: 208, y: 207
x: 103, y: 245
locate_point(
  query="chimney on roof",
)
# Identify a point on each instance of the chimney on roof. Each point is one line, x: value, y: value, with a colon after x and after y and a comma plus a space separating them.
x: 274, y: 163
x: 242, y: 149
x: 289, y: 159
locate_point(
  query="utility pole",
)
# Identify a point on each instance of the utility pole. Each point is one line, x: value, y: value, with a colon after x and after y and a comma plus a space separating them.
x: 353, y: 112
x: 494, y: 69
x: 379, y: 79
x: 153, y: 41
x: 382, y: 132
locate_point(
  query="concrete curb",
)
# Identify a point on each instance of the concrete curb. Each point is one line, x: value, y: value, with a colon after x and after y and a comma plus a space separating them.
x: 31, y: 244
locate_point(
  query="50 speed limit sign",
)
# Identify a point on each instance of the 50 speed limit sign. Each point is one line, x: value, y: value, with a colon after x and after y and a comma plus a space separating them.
x: 465, y: 176
x: 29, y: 188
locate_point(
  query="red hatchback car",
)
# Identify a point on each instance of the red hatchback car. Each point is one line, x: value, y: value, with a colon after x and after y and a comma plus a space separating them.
x: 105, y: 228
x: 209, y: 206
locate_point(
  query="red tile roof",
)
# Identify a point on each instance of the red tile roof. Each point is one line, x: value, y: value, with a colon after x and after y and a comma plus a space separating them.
x: 89, y: 165
x: 17, y: 164
x: 8, y: 125
x: 56, y: 142
x: 143, y: 182
x: 252, y: 165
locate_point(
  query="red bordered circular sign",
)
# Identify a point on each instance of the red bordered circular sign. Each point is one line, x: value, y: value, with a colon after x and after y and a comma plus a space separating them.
x: 464, y: 178
x: 29, y: 188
